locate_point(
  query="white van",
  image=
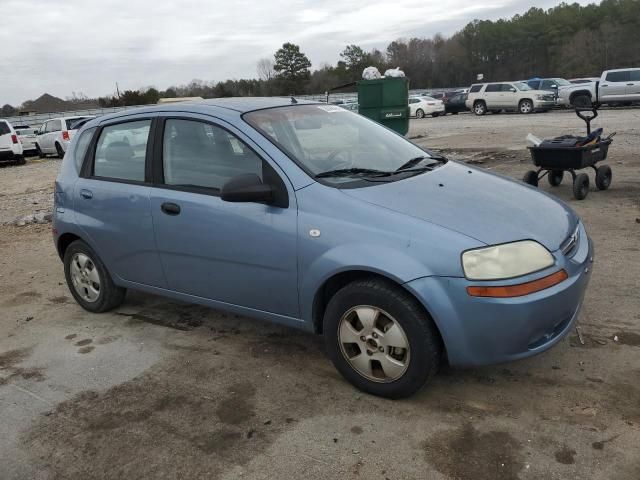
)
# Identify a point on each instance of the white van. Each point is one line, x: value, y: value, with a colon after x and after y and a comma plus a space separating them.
x: 10, y: 146
x: 55, y: 134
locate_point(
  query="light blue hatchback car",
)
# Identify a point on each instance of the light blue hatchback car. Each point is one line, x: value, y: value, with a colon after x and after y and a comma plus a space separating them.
x: 317, y: 218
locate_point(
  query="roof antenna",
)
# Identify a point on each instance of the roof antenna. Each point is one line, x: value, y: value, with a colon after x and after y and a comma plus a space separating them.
x: 293, y: 100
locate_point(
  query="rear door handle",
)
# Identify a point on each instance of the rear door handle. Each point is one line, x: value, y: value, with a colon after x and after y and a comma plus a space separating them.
x: 170, y: 208
x: 630, y: 84
x: 86, y: 193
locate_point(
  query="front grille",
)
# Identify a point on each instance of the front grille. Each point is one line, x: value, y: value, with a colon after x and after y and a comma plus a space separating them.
x: 570, y: 244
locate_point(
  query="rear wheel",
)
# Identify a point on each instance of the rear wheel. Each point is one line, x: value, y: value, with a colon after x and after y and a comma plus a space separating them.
x: 21, y: 160
x: 603, y: 177
x: 480, y: 108
x: 531, y: 177
x: 581, y: 101
x: 555, y: 177
x: 525, y: 106
x: 419, y: 113
x: 59, y: 150
x: 581, y: 186
x: 88, y: 279
x: 380, y: 338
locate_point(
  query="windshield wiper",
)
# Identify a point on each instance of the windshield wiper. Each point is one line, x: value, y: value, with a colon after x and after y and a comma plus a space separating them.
x: 416, y: 160
x: 346, y: 172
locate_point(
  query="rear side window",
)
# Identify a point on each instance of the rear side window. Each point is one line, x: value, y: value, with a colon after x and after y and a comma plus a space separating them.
x: 121, y: 151
x: 82, y: 144
x: 618, y: 76
x: 4, y: 128
x: 198, y: 154
x: 475, y: 88
x: 634, y: 75
x: 496, y: 87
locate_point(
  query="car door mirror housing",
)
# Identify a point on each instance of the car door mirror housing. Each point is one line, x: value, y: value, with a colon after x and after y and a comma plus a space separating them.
x: 246, y: 188
x: 512, y: 90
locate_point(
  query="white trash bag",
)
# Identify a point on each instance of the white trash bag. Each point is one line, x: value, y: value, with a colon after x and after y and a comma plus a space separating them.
x: 394, y: 72
x: 371, y: 73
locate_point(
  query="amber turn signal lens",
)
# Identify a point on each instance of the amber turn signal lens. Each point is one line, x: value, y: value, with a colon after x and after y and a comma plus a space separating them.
x: 507, y: 291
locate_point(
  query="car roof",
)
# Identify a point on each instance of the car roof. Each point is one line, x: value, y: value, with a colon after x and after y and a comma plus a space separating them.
x: 237, y: 105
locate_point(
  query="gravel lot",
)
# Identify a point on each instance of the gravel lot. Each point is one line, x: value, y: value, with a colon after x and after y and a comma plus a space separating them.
x: 159, y: 389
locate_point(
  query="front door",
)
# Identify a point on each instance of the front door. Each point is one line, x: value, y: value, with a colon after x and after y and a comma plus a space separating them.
x: 111, y: 202
x: 238, y: 253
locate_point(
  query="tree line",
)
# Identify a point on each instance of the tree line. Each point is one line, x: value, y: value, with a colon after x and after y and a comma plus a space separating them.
x: 567, y: 41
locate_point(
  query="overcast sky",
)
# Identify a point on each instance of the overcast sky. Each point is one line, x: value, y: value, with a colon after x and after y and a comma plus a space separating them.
x: 67, y: 46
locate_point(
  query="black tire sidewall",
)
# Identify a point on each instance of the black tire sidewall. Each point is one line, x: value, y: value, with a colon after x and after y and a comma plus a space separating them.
x: 555, y: 177
x: 531, y: 178
x: 424, y: 342
x: 603, y: 177
x: 581, y: 186
x: 522, y: 102
x: 483, y: 107
x: 419, y: 113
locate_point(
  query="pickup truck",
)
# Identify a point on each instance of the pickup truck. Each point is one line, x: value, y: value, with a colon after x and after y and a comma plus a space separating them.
x: 615, y: 87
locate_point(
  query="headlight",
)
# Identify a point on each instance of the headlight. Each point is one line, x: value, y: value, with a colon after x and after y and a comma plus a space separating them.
x: 541, y: 97
x: 505, y: 261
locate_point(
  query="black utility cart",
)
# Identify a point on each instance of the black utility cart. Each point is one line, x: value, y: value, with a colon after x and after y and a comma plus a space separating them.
x: 570, y: 153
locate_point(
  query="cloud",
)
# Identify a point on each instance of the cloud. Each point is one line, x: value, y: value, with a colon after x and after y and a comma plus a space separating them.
x: 86, y: 46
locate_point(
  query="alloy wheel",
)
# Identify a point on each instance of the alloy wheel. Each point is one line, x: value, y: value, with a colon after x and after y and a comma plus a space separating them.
x: 85, y: 277
x: 374, y: 344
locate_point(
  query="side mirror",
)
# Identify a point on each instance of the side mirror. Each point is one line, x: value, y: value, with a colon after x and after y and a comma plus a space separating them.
x: 554, y: 86
x: 512, y: 90
x: 246, y: 188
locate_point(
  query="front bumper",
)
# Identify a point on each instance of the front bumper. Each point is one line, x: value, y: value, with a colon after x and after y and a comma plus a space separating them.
x: 544, y: 104
x: 481, y: 331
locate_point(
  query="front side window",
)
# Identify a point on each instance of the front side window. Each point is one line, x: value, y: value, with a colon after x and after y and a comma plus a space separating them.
x: 323, y: 139
x: 48, y: 127
x: 198, y: 154
x: 121, y: 151
x: 523, y: 87
x: 618, y: 76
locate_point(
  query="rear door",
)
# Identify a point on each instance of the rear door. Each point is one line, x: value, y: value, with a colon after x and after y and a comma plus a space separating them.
x: 111, y: 200
x: 493, y: 96
x: 633, y: 86
x: 42, y: 136
x: 614, y: 86
x: 242, y: 254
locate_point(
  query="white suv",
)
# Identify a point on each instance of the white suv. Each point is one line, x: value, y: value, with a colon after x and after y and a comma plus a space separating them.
x: 55, y: 134
x: 10, y: 146
x: 511, y: 96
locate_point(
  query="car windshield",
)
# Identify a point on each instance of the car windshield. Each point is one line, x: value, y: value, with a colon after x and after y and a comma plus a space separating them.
x: 522, y: 86
x: 323, y: 139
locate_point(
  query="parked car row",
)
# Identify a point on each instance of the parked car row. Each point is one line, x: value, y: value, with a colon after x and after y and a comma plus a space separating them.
x: 52, y: 138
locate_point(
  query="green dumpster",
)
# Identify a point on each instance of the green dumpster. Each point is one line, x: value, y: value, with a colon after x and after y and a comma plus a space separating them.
x: 385, y: 100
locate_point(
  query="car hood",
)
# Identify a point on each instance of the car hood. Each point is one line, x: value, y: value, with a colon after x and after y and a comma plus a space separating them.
x: 487, y: 207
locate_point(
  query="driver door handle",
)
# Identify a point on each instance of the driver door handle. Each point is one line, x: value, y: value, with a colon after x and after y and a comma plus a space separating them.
x: 170, y: 208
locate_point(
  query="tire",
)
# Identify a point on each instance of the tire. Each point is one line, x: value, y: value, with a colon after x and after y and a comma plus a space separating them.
x: 41, y: 154
x: 555, y: 177
x: 496, y: 112
x: 455, y: 113
x: 21, y: 160
x: 390, y: 377
x: 531, y: 177
x: 581, y: 186
x: 97, y: 300
x: 581, y: 101
x: 603, y: 177
x: 525, y: 106
x: 419, y: 113
x: 480, y: 108
x: 59, y: 150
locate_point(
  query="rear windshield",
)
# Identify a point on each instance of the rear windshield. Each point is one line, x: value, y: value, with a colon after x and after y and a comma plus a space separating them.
x: 25, y: 131
x: 75, y: 123
x: 4, y: 128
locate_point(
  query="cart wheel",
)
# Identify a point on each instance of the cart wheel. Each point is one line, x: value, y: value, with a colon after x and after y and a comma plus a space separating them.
x: 581, y: 186
x: 555, y: 177
x: 531, y: 177
x: 603, y: 177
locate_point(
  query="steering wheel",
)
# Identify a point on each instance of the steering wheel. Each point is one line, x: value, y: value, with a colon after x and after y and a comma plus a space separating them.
x: 340, y: 164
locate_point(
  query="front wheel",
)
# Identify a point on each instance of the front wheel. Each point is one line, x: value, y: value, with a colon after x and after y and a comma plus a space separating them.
x: 531, y: 177
x: 581, y: 186
x: 381, y: 339
x: 88, y: 279
x: 525, y: 106
x: 419, y: 113
x: 603, y: 177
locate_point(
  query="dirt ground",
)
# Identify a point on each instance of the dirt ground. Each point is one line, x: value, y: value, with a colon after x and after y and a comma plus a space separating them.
x: 159, y: 389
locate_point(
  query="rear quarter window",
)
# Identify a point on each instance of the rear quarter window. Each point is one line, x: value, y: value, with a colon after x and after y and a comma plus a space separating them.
x: 475, y: 88
x: 82, y: 144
